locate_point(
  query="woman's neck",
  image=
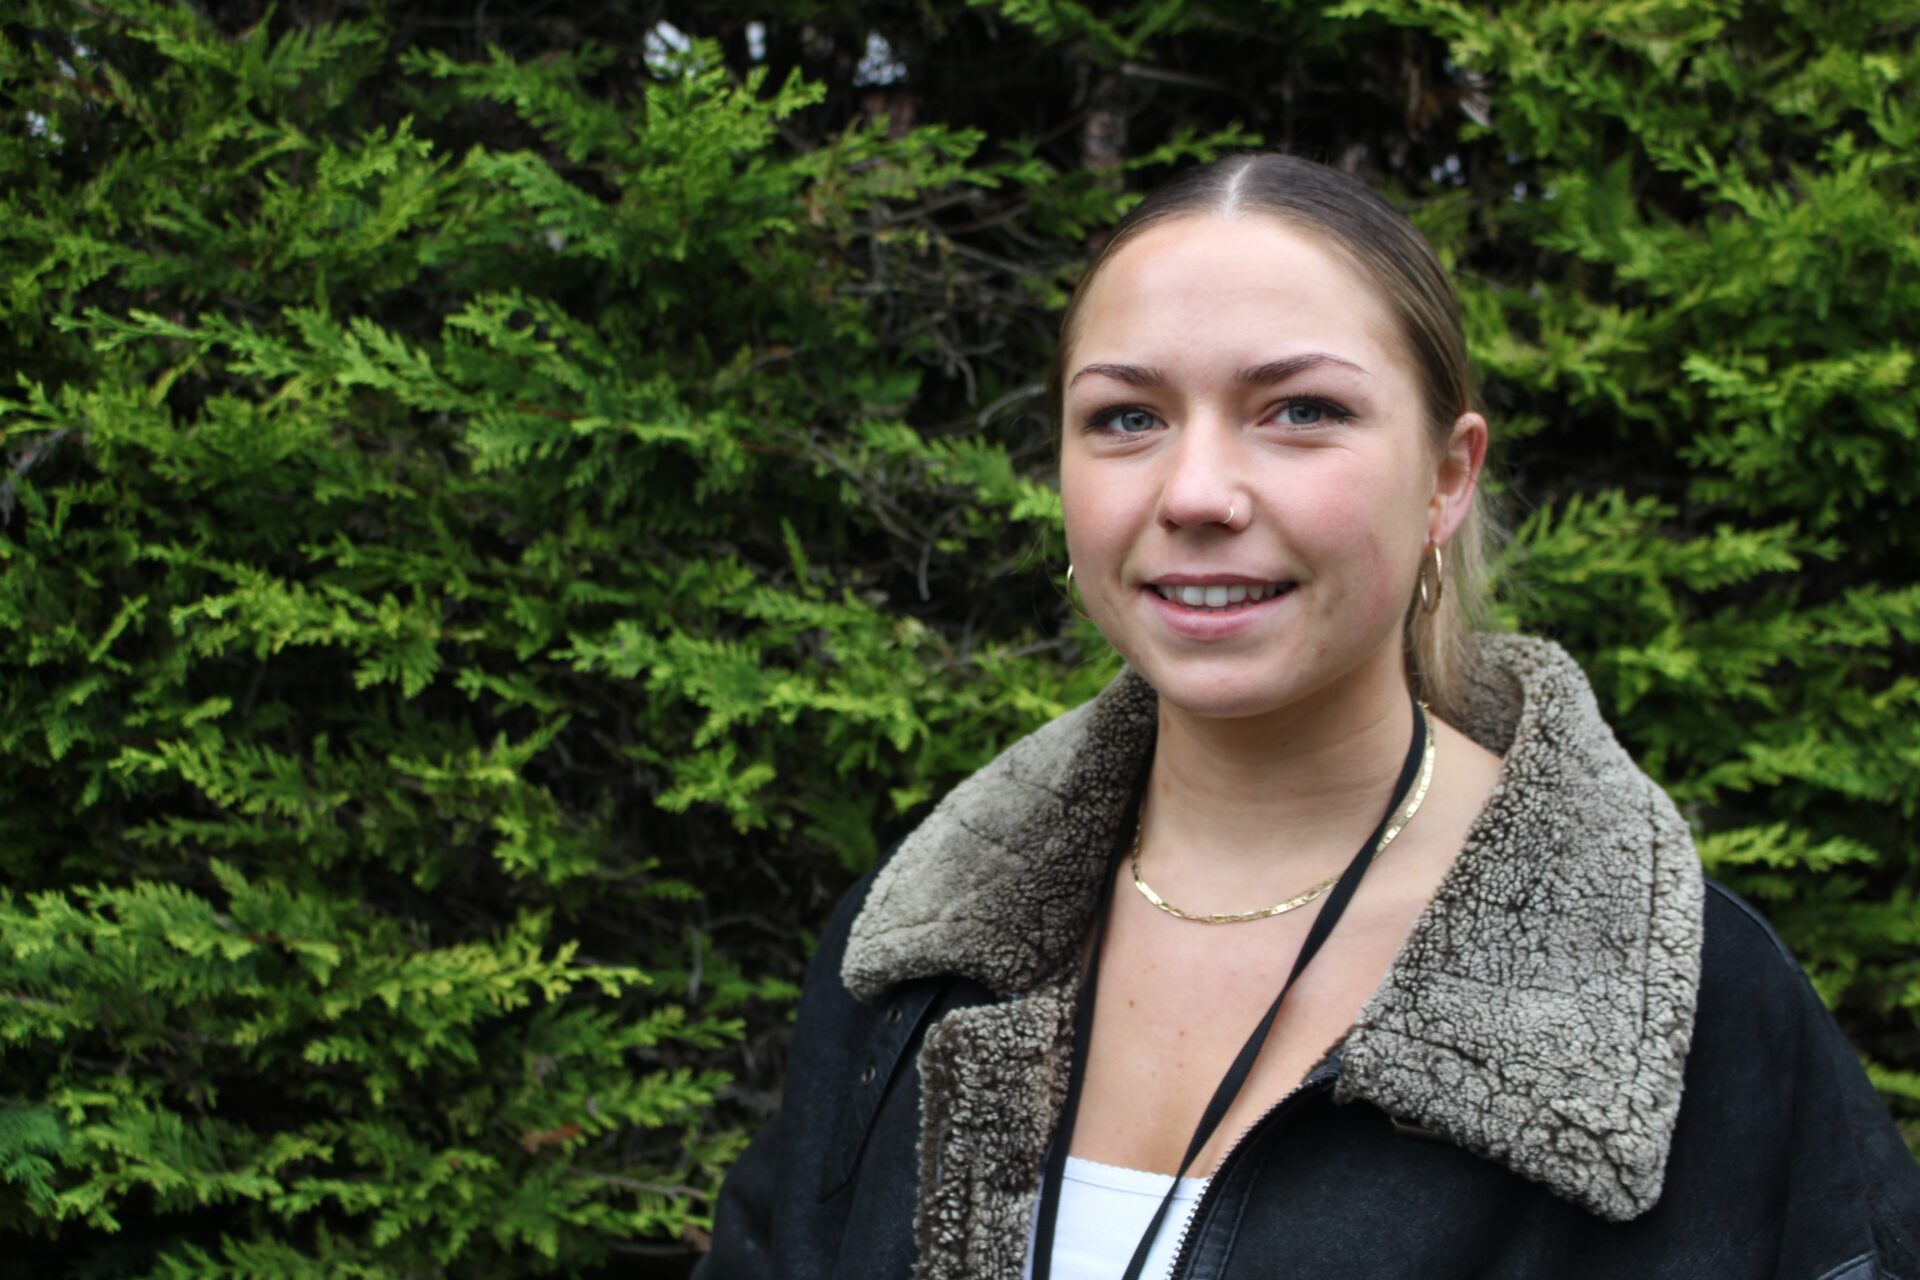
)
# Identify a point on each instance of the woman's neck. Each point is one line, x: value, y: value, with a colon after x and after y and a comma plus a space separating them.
x: 1261, y: 801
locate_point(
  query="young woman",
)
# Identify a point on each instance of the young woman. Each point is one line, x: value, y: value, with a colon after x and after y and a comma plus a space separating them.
x: 1335, y: 938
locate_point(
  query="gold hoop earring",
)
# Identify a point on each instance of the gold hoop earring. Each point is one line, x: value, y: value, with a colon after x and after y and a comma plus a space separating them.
x: 1430, y: 597
x: 1073, y: 598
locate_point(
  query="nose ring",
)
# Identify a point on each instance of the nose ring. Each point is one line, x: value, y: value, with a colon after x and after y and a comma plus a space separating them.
x: 1229, y: 520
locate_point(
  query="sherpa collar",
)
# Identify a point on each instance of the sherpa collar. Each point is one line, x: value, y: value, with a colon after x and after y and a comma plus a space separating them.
x: 1539, y: 1011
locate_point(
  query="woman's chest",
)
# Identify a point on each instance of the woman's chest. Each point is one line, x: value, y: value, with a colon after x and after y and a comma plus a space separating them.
x: 1177, y: 1001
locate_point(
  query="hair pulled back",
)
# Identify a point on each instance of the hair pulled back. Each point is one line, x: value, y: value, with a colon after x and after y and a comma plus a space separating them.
x: 1377, y: 240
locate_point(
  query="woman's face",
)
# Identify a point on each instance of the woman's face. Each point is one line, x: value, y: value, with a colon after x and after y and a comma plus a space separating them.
x: 1233, y: 363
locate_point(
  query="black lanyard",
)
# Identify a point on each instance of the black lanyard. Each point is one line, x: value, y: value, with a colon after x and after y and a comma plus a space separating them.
x: 1230, y: 1084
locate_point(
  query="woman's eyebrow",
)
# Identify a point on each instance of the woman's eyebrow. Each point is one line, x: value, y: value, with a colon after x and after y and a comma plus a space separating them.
x: 1136, y: 375
x: 1133, y: 375
x: 1280, y: 370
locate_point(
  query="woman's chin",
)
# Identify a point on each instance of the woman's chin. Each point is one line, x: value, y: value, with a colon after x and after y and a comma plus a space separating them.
x: 1222, y: 688
x: 1263, y: 679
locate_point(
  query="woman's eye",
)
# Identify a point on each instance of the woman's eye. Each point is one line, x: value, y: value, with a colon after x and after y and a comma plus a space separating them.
x: 1128, y: 422
x: 1310, y: 413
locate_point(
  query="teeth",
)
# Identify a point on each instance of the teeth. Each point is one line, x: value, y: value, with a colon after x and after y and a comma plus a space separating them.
x: 1220, y: 597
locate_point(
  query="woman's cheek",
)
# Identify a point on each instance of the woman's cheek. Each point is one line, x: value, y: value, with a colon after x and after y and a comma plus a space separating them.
x: 1095, y: 548
x: 1360, y: 550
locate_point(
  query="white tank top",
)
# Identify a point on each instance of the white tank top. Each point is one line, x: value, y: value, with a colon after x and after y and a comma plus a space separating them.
x: 1104, y: 1210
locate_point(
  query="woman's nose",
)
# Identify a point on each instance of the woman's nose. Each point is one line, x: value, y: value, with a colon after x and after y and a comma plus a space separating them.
x: 1206, y: 476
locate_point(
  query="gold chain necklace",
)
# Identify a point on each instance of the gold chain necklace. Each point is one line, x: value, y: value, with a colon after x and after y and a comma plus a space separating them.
x: 1398, y: 823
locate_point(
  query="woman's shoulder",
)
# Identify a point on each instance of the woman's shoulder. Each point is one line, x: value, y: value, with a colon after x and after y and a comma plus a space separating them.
x: 997, y: 882
x: 1749, y: 976
x: 1756, y: 999
x: 1778, y: 1104
x: 1741, y: 926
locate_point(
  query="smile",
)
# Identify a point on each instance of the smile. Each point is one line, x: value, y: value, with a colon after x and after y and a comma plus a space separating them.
x: 1220, y: 596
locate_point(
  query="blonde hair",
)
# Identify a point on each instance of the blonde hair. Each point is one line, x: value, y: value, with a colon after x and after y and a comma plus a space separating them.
x: 1379, y: 241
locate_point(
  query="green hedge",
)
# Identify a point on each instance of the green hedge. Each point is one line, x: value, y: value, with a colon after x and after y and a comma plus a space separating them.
x: 503, y: 517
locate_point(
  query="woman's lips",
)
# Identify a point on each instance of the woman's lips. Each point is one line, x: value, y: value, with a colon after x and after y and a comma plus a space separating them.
x: 1205, y: 623
x: 1216, y: 595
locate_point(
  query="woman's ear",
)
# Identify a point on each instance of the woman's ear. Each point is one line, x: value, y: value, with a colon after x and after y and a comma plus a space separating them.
x: 1456, y: 475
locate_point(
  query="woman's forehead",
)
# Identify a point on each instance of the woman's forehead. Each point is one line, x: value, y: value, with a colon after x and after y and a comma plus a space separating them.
x: 1231, y: 289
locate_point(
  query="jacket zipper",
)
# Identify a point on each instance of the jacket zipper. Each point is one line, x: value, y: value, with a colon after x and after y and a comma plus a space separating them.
x: 1314, y: 1080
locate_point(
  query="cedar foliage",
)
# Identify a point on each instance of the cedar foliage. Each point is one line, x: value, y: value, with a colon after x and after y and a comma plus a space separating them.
x: 503, y: 516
